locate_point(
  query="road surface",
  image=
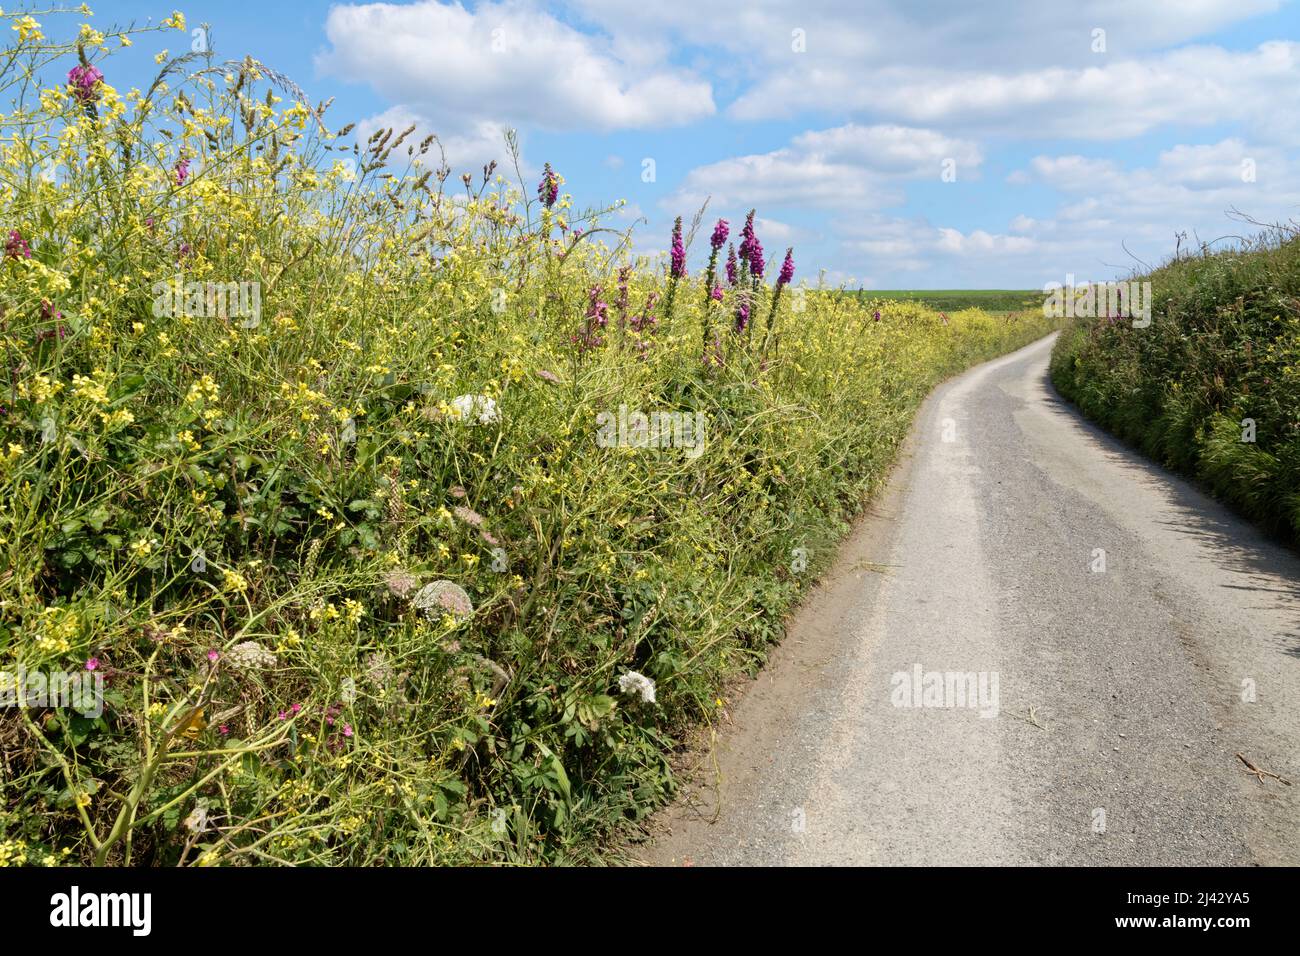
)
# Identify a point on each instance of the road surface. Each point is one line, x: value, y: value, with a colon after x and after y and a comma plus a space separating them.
x: 1138, y: 637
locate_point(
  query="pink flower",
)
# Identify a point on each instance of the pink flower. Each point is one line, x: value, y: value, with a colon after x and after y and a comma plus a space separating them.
x: 182, y: 171
x: 92, y: 664
x: 347, y: 730
x: 548, y: 190
x: 85, y: 81
x: 720, y: 232
x: 16, y: 246
x: 296, y: 708
x: 224, y: 730
x: 677, y: 267
x: 214, y: 655
x: 787, y: 269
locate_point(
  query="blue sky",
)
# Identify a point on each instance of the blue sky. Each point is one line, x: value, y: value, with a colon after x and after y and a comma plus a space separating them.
x: 835, y: 118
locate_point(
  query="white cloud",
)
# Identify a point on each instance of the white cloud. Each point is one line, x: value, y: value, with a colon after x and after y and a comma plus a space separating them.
x: 848, y: 165
x: 1112, y: 99
x: 506, y: 61
x: 480, y: 142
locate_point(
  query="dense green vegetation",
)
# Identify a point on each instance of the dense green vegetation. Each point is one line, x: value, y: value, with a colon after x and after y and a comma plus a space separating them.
x: 301, y: 452
x: 1212, y: 387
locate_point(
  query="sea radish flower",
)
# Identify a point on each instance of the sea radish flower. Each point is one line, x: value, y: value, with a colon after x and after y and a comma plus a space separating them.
x: 678, y: 267
x: 548, y: 190
x: 787, y: 269
x: 84, y: 81
x: 720, y: 233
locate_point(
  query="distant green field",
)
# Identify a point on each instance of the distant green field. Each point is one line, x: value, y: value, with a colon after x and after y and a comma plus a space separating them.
x: 953, y: 300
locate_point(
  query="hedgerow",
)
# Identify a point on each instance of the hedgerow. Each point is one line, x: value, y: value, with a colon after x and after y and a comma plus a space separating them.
x: 1212, y: 387
x: 301, y: 455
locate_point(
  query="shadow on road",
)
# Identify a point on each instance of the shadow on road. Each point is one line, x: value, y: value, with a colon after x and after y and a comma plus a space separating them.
x: 1264, y: 564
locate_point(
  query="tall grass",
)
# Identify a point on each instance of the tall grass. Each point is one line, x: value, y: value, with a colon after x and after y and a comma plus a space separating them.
x: 362, y: 583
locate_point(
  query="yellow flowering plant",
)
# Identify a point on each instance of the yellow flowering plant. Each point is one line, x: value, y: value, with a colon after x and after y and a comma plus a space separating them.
x: 326, y: 458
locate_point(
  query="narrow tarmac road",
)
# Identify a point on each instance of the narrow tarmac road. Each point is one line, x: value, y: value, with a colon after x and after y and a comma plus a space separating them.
x: 1118, y: 688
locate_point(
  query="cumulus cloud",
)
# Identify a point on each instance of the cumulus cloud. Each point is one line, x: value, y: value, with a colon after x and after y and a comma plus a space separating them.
x: 847, y: 165
x: 1113, y: 99
x: 477, y: 143
x: 508, y: 61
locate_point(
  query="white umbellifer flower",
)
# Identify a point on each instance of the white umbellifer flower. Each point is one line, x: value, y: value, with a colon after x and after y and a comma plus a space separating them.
x: 378, y: 670
x: 400, y: 583
x: 197, y: 821
x: 475, y: 406
x: 638, y: 684
x: 444, y: 597
x: 250, y: 656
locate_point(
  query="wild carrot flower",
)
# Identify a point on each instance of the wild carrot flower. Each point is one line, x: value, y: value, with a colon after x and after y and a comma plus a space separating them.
x: 445, y: 596
x: 548, y: 190
x: 250, y: 656
x: 400, y: 583
x: 84, y: 82
x: 468, y: 515
x: 482, y: 407
x: 637, y: 684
